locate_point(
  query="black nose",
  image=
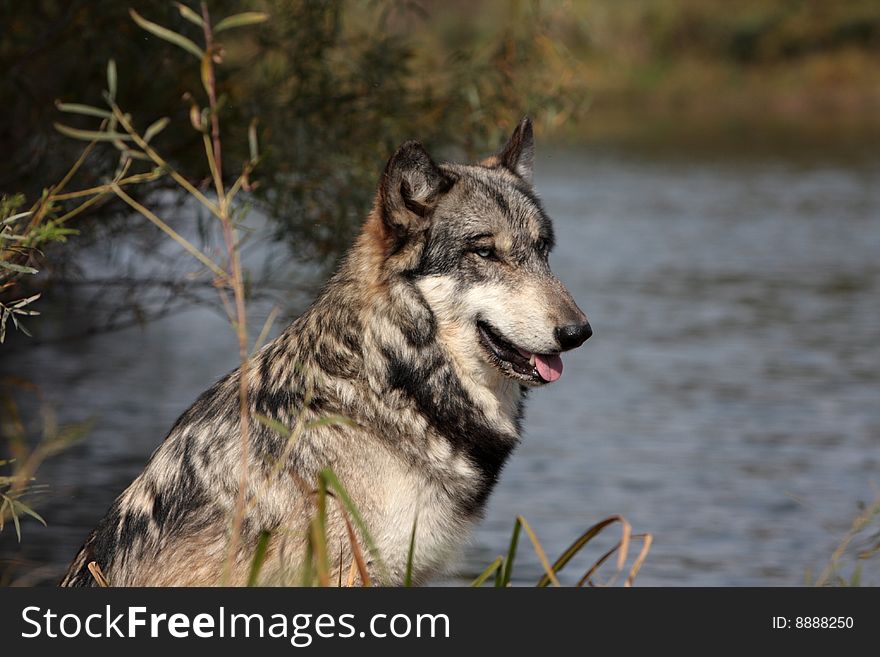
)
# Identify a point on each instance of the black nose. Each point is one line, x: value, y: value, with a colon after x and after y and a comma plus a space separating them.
x: 573, y: 336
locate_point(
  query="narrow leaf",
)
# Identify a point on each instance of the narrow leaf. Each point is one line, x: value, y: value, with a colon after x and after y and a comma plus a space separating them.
x: 308, y: 573
x: 90, y: 135
x: 240, y: 20
x: 24, y: 508
x: 407, y: 581
x: 190, y: 15
x: 330, y: 419
x: 168, y: 230
x: 87, y: 110
x: 21, y: 327
x: 640, y: 559
x: 259, y: 558
x: 542, y: 556
x: 167, y: 35
x: 342, y: 494
x: 493, y: 567
x: 357, y: 553
x: 136, y: 155
x: 205, y: 73
x: 578, y: 545
x: 319, y: 535
x: 111, y: 79
x: 511, y: 554
x: 98, y: 574
x: 6, y: 503
x: 155, y: 128
x: 274, y: 425
x: 18, y: 216
x: 595, y: 567
x: 17, y: 268
x: 253, y: 144
x: 16, y: 522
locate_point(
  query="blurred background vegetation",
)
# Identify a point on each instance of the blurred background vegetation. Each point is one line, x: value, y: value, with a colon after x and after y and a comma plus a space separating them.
x: 337, y: 84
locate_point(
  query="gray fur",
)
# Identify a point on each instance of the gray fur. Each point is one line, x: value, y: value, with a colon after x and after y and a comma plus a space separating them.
x: 392, y: 344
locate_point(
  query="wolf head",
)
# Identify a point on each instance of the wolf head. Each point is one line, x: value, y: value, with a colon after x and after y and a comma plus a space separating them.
x: 475, y: 241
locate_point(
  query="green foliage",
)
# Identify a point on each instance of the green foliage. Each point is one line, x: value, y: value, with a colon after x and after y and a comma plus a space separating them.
x: 22, y: 235
x: 502, y: 566
x: 758, y: 31
x: 337, y: 85
x: 18, y: 473
x: 316, y: 567
x: 11, y: 506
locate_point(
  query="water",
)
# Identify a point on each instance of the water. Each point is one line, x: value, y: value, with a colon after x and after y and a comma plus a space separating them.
x: 727, y: 403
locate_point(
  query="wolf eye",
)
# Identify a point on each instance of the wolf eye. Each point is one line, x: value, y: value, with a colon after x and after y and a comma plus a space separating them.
x: 485, y: 252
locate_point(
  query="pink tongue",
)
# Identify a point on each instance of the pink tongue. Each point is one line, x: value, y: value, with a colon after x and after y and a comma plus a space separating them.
x: 549, y: 367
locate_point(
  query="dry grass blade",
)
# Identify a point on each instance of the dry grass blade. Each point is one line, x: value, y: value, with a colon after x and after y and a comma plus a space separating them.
x: 539, y: 550
x: 579, y: 544
x: 352, y: 573
x: 342, y: 495
x: 637, y: 564
x: 98, y: 574
x: 596, y: 565
x: 173, y: 234
x: 82, y: 207
x: 861, y: 521
x: 648, y: 538
x: 623, y: 553
x: 160, y: 162
x: 358, y: 555
x: 267, y: 326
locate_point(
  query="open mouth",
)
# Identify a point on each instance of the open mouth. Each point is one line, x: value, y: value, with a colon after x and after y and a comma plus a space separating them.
x: 518, y: 363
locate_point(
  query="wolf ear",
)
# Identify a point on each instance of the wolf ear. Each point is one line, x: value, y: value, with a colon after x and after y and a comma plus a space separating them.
x: 519, y: 153
x: 411, y: 187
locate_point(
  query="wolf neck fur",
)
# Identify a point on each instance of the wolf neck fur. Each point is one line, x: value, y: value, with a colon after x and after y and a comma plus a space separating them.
x: 415, y: 360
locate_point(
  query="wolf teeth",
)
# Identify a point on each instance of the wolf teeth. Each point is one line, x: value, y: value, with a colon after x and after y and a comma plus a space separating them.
x: 532, y: 360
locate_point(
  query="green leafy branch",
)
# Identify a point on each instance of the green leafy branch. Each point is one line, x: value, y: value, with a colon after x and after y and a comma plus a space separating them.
x: 117, y: 129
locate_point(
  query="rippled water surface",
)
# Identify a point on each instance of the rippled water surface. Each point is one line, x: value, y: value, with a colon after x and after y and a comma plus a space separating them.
x: 728, y: 403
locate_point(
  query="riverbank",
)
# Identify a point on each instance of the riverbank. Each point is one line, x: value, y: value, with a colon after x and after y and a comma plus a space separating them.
x: 680, y: 70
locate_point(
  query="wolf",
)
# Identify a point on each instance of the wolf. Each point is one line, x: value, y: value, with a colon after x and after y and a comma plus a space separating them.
x: 426, y: 340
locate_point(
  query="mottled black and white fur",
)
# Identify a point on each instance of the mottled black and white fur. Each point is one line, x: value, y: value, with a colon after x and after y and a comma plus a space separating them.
x: 426, y: 339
